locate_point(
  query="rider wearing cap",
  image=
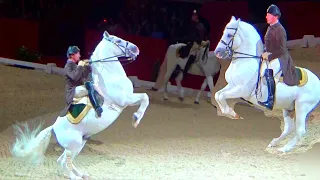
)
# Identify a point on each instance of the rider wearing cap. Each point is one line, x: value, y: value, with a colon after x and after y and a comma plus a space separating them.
x: 76, y: 76
x: 196, y: 34
x: 276, y: 47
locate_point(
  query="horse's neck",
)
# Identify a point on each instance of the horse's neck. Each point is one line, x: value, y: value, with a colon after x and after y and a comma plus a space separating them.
x: 110, y: 69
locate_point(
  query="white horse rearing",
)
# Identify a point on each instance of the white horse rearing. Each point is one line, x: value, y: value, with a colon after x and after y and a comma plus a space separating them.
x: 117, y: 90
x: 241, y: 41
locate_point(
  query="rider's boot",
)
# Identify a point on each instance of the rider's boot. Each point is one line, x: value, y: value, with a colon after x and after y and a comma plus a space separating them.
x: 92, y: 98
x: 271, y: 90
x: 190, y: 61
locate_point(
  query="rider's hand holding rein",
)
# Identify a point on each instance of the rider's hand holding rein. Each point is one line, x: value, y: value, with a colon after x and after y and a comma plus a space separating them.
x: 83, y: 63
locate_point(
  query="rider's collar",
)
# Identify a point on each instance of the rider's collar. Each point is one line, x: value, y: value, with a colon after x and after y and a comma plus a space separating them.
x: 274, y: 23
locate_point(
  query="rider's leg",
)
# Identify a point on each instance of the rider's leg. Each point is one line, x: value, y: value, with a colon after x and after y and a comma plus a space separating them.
x: 191, y: 59
x: 92, y: 98
x: 269, y: 73
x: 81, y: 91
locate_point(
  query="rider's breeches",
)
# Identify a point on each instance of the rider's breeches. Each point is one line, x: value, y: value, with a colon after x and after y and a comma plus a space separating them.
x: 81, y: 91
x: 273, y: 64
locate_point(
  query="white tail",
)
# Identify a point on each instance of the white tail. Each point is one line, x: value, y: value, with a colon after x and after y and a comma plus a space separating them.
x: 162, y: 71
x: 30, y: 146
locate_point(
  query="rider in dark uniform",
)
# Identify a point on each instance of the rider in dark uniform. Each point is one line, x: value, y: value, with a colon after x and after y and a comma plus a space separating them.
x: 276, y: 47
x: 77, y: 75
x: 196, y: 33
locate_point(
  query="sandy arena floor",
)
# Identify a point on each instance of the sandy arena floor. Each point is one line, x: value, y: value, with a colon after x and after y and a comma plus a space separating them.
x: 175, y: 140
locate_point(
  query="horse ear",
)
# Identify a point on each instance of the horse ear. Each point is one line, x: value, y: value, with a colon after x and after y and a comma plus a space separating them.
x: 106, y: 34
x: 238, y: 19
x: 233, y: 18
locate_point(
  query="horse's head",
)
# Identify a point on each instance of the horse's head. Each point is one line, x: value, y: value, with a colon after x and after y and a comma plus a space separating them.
x: 229, y: 41
x: 239, y: 38
x: 111, y: 48
x: 122, y: 48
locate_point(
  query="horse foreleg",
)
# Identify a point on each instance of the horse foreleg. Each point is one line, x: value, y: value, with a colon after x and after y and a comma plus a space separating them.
x: 203, y: 87
x: 228, y: 93
x: 217, y: 95
x: 141, y: 99
x: 179, y: 86
x: 288, y: 128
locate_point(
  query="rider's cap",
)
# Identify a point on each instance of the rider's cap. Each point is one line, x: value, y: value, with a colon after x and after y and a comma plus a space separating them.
x: 274, y: 10
x: 72, y: 50
x: 195, y: 12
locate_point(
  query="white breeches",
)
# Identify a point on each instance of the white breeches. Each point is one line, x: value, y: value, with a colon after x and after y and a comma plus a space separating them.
x: 81, y: 91
x: 273, y: 64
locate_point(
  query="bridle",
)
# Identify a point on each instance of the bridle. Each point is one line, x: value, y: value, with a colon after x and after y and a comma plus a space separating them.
x: 121, y: 57
x: 229, y: 46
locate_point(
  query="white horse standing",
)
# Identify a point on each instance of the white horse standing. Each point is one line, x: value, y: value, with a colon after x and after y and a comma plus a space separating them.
x: 241, y: 41
x: 117, y: 90
x: 209, y: 67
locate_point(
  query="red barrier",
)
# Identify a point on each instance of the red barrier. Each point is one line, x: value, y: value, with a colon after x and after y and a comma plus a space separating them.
x: 301, y: 18
x: 15, y: 33
x: 219, y: 14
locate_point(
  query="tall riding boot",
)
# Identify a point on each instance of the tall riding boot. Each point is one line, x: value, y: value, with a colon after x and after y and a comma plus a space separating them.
x: 190, y: 61
x: 93, y: 99
x: 271, y: 90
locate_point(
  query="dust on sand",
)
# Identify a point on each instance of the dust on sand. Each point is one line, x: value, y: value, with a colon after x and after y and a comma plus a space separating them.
x: 175, y: 140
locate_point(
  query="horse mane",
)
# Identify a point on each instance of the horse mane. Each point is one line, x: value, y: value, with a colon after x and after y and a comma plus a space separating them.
x: 253, y: 32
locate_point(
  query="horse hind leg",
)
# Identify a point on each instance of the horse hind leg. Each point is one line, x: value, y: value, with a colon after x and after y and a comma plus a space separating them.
x: 73, y: 143
x: 167, y: 77
x: 303, y: 106
x: 288, y: 128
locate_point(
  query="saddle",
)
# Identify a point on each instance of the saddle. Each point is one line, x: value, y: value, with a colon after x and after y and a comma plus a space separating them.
x: 301, y: 73
x: 184, y: 50
x: 80, y: 108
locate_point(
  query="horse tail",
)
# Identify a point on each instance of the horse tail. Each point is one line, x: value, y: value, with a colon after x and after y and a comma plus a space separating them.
x: 162, y: 71
x: 31, y: 145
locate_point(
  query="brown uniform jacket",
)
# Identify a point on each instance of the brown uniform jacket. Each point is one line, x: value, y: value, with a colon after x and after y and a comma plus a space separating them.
x: 276, y: 43
x: 75, y: 76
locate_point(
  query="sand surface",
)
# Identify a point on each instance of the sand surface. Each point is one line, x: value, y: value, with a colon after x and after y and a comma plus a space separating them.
x: 175, y: 140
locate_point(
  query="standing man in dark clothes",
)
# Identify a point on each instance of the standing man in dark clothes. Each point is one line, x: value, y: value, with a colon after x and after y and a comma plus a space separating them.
x: 196, y: 34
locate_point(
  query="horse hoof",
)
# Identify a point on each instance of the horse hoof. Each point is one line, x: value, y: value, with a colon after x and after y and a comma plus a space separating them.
x: 196, y: 102
x: 238, y: 117
x: 181, y: 98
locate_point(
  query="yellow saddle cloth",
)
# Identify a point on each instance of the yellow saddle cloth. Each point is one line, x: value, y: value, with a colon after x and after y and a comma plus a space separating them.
x: 79, y: 109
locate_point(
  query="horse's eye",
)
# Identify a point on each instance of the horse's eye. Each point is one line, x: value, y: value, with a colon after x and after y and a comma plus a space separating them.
x: 230, y: 35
